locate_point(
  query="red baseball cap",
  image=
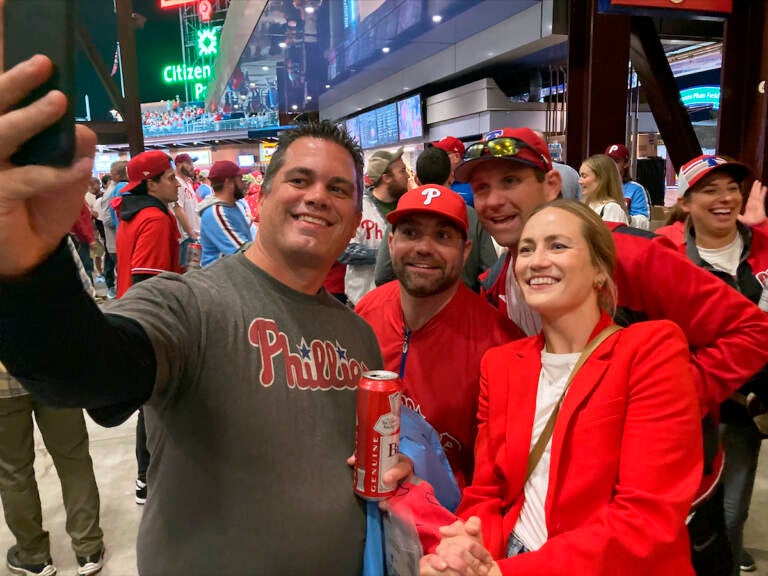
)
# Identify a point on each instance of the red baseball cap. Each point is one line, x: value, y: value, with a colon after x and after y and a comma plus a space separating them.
x: 524, y: 146
x: 184, y: 157
x: 694, y: 170
x: 223, y: 169
x: 617, y: 152
x: 450, y: 144
x: 432, y: 199
x: 146, y: 165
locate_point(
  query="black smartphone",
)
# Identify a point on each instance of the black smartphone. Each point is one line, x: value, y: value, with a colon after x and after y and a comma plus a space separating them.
x: 44, y: 27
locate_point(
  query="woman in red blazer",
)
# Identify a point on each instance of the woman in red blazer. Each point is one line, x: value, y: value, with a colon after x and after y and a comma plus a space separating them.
x: 612, y: 490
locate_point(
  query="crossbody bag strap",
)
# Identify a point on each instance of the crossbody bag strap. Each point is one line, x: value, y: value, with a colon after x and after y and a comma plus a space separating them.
x: 538, y: 450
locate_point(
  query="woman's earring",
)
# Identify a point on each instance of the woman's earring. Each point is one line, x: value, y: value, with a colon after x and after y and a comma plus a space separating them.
x: 598, y: 284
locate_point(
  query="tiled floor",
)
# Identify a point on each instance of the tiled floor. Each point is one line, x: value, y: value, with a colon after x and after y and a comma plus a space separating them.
x: 112, y: 450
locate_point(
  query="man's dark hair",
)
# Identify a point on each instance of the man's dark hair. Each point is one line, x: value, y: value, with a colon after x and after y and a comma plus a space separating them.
x: 142, y: 188
x: 433, y: 166
x: 324, y: 130
x: 105, y: 180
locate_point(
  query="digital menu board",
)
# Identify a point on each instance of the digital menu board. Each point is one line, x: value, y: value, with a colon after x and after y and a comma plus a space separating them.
x: 409, y: 118
x: 388, y: 124
x: 378, y: 127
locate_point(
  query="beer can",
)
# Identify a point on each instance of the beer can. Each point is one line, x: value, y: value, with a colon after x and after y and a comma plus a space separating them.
x: 377, y: 432
x: 194, y: 253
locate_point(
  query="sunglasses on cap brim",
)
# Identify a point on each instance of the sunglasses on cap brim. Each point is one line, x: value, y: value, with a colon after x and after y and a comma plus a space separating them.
x: 501, y: 148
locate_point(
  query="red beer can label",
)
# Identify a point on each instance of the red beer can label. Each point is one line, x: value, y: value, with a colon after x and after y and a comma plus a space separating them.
x: 377, y: 432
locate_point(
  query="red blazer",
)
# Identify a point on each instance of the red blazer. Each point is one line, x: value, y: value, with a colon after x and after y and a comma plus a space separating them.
x: 626, y: 456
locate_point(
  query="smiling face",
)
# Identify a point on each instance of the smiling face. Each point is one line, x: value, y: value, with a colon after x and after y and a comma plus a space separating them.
x: 506, y: 193
x: 311, y: 210
x: 554, y: 265
x: 428, y: 254
x: 588, y: 181
x: 713, y: 205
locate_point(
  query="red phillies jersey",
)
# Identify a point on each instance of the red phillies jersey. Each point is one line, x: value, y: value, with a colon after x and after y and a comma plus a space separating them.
x: 148, y: 243
x: 439, y: 364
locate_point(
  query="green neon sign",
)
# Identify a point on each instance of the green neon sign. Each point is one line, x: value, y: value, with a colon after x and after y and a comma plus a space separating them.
x: 701, y: 95
x: 196, y: 75
x: 207, y: 43
x: 174, y: 74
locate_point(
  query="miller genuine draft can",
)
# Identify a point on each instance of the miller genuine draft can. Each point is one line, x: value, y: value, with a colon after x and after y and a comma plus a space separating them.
x: 377, y: 432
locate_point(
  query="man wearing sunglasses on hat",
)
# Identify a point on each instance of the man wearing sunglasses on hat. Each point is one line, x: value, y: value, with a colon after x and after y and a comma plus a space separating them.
x: 511, y: 174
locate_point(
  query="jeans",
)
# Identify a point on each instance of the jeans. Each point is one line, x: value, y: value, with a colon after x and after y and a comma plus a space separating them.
x: 65, y: 437
x: 710, y: 551
x: 84, y: 250
x: 110, y: 263
x: 741, y: 443
x: 515, y: 547
x: 142, y: 454
x: 184, y: 252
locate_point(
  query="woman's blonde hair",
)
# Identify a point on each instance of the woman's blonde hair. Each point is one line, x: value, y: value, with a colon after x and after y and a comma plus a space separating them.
x: 609, y: 187
x: 602, y: 249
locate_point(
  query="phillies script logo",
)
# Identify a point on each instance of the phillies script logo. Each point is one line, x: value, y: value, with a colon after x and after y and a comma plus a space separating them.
x: 319, y: 365
x: 372, y: 230
x: 762, y: 277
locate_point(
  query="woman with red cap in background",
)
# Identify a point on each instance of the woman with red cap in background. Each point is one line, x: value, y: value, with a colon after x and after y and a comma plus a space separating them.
x: 707, y: 226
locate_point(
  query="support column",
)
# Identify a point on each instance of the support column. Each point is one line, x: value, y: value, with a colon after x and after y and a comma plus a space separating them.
x: 743, y: 127
x: 598, y: 63
x: 661, y: 90
x: 132, y: 104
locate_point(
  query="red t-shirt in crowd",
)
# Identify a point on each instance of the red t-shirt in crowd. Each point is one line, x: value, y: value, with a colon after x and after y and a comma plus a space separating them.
x: 441, y: 368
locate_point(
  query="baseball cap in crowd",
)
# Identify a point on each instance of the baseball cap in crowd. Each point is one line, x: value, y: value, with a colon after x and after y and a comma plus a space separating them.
x: 146, y: 165
x: 694, y: 170
x: 431, y: 199
x: 617, y: 152
x: 515, y: 144
x: 450, y: 144
x: 379, y: 162
x: 184, y: 157
x: 204, y: 173
x: 223, y: 169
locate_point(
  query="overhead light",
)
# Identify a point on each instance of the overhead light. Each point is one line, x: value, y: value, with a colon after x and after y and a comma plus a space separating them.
x: 309, y: 9
x: 265, y: 68
x: 253, y: 84
x: 327, y: 86
x: 282, y: 44
x: 437, y: 18
x: 295, y: 107
x: 309, y: 97
x: 385, y: 49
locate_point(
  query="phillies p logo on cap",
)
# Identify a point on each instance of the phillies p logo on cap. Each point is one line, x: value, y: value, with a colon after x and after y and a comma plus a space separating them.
x: 429, y: 195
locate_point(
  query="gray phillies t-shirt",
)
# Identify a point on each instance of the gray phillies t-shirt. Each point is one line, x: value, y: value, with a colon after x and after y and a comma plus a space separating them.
x: 250, y: 425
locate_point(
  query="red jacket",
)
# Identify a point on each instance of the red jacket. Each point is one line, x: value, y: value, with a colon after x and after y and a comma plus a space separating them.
x: 83, y: 227
x: 726, y: 332
x: 439, y: 363
x: 625, y: 463
x: 147, y: 239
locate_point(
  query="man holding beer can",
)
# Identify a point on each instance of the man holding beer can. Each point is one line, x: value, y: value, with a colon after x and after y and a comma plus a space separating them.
x: 431, y: 328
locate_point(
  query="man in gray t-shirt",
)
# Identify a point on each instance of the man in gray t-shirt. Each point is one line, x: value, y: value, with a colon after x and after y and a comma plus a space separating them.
x: 248, y: 368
